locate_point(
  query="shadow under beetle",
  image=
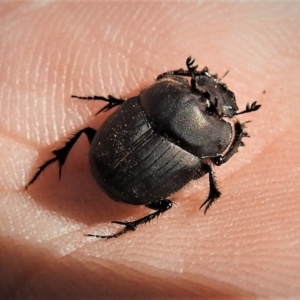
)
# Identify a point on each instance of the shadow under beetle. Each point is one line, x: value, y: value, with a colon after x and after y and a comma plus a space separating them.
x: 157, y: 142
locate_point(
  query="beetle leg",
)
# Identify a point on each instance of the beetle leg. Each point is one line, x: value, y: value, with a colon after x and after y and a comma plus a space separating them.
x: 179, y: 72
x: 176, y: 78
x: 160, y: 207
x: 190, y: 72
x: 61, y: 154
x: 112, y: 101
x: 214, y: 193
x: 236, y: 143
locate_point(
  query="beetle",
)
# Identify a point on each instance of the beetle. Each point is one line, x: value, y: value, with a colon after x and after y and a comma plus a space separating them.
x: 155, y: 143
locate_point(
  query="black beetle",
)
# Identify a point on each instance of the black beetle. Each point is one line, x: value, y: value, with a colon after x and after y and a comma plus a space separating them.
x: 157, y: 142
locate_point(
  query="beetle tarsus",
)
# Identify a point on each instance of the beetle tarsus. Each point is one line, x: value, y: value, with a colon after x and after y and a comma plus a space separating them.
x: 159, y: 206
x: 41, y: 169
x: 112, y: 101
x: 214, y: 193
x: 61, y: 154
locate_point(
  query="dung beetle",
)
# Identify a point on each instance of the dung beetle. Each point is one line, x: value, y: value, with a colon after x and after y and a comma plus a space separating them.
x: 173, y: 132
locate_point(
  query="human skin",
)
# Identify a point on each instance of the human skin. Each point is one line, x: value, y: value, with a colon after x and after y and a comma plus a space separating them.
x: 247, y: 245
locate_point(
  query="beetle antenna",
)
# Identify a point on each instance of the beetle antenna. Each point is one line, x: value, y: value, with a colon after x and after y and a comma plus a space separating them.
x: 250, y: 107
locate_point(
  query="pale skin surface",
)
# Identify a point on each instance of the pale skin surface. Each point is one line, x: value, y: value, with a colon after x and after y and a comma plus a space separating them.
x: 247, y: 245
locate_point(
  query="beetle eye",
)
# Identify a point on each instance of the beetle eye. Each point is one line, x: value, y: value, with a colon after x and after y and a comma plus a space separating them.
x: 206, y: 95
x: 228, y: 111
x: 212, y: 108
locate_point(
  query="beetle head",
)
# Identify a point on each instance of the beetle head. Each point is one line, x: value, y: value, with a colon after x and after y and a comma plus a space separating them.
x: 219, y: 98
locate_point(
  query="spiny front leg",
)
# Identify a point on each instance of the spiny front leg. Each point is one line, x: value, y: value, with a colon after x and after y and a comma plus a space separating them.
x: 190, y: 72
x: 159, y: 206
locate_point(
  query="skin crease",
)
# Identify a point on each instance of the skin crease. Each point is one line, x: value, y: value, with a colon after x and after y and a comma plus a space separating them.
x: 246, y: 246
